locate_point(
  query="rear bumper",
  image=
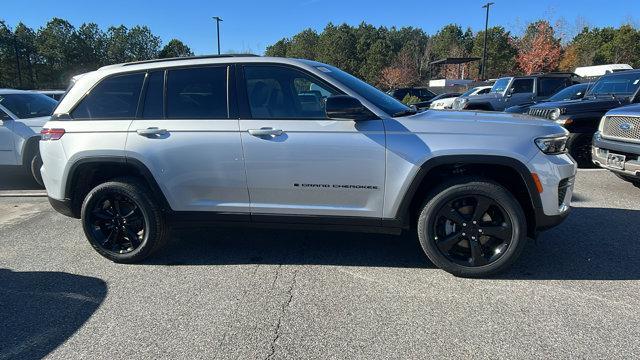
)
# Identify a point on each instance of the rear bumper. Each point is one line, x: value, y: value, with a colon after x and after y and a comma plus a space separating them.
x: 63, y: 207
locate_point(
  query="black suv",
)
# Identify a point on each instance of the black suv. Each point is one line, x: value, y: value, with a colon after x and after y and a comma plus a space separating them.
x: 512, y: 91
x: 581, y: 117
x: 423, y: 94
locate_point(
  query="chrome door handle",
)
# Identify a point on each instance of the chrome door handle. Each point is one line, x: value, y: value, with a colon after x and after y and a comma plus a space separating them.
x: 152, y: 131
x: 266, y: 131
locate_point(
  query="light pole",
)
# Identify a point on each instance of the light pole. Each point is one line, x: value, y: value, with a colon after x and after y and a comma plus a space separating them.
x: 484, y: 51
x: 218, y: 19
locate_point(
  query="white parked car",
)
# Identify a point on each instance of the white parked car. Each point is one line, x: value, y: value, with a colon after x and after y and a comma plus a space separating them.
x: 443, y: 101
x: 22, y: 115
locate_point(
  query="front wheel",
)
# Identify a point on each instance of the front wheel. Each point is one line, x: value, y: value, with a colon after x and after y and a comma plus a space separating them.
x: 472, y: 227
x: 122, y: 221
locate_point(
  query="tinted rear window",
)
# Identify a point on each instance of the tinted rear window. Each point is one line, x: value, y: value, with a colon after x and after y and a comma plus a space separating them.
x: 197, y: 93
x: 113, y: 98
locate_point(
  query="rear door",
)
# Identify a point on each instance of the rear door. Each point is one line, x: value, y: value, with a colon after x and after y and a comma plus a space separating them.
x: 185, y: 136
x: 299, y: 162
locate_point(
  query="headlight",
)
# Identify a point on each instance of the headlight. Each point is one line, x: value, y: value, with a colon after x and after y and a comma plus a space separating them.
x: 555, y: 114
x: 552, y: 145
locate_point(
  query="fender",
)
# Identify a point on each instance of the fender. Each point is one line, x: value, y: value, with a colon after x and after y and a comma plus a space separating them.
x: 403, y: 214
x: 139, y: 167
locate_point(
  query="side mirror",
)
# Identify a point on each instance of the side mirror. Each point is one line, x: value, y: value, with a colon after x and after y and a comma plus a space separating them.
x: 510, y: 92
x: 347, y: 107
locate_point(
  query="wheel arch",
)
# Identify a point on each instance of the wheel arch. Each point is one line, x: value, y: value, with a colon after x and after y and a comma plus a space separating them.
x: 507, y: 171
x: 30, y: 146
x: 87, y: 173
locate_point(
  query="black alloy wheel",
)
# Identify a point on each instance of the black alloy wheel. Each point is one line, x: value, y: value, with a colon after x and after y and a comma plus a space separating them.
x: 472, y: 230
x: 117, y: 223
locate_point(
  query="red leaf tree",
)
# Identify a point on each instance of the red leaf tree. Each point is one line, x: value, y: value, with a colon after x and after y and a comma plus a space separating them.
x: 539, y: 50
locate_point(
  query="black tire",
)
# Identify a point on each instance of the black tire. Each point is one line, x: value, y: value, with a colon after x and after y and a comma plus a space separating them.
x: 36, y: 164
x: 503, y: 214
x: 579, y: 147
x: 122, y: 221
x: 632, y: 180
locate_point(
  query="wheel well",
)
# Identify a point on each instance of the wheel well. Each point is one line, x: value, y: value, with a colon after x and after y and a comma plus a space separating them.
x: 88, y: 175
x: 31, y: 146
x: 501, y: 174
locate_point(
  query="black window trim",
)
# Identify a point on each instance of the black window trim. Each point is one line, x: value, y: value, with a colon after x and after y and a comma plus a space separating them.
x: 141, y: 99
x: 243, y: 98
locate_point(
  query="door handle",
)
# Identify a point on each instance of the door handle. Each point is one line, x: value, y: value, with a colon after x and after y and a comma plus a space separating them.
x: 265, y: 131
x: 152, y: 131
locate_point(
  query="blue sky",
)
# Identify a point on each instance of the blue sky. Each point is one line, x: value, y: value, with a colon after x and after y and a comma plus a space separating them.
x: 252, y: 25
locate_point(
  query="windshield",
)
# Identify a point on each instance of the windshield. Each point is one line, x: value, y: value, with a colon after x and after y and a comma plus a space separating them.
x: 383, y: 101
x: 622, y: 84
x: 500, y: 85
x: 570, y: 93
x: 26, y: 106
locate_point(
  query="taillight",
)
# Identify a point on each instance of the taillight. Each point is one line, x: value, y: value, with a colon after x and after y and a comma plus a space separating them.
x: 51, y: 134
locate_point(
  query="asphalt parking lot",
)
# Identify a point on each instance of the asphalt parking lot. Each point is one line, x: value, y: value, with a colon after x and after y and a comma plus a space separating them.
x: 240, y: 293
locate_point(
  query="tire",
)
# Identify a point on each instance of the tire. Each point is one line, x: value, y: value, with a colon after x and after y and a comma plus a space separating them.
x: 36, y: 164
x: 499, y: 233
x: 122, y: 221
x: 579, y: 147
x: 634, y: 181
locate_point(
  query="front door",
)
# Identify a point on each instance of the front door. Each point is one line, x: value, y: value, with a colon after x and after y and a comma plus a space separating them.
x: 7, y: 141
x: 520, y: 92
x: 299, y: 162
x: 186, y: 138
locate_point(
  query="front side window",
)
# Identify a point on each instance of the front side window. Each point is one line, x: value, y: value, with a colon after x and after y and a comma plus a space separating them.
x: 500, y: 85
x: 384, y: 102
x: 25, y: 106
x: 113, y: 98
x: 277, y: 92
x: 522, y: 86
x: 197, y: 93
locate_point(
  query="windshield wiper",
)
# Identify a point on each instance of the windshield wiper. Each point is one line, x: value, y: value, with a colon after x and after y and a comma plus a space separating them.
x: 405, y: 113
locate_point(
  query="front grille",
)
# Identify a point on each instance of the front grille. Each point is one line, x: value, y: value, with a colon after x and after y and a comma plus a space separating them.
x: 622, y: 127
x: 543, y: 113
x: 563, y: 186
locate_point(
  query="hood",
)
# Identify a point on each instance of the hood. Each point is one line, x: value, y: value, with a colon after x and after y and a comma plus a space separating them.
x: 487, y: 96
x: 479, y: 123
x: 584, y: 105
x: 629, y: 110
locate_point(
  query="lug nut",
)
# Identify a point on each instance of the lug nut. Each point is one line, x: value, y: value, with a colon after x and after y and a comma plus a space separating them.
x: 463, y: 234
x: 475, y: 222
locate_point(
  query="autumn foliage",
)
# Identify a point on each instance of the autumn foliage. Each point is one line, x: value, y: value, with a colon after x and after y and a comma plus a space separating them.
x: 539, y: 50
x: 402, y: 73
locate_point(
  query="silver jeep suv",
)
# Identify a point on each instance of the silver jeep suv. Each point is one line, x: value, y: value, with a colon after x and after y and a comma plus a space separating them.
x: 135, y: 148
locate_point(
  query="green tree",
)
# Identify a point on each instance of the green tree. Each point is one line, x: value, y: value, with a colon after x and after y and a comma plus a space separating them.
x: 91, y: 47
x: 303, y: 45
x: 117, y: 44
x: 56, y: 49
x: 279, y: 49
x: 337, y: 46
x: 175, y: 48
x: 501, y: 51
x: 142, y: 44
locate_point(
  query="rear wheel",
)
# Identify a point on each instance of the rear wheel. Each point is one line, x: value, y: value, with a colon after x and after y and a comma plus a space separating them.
x: 472, y: 227
x: 122, y: 221
x: 36, y: 164
x: 579, y: 146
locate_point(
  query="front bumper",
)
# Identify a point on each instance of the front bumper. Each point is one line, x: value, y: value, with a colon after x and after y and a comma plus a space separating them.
x: 603, y: 147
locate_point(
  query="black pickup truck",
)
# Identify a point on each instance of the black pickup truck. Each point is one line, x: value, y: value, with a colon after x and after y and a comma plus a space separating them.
x: 581, y: 117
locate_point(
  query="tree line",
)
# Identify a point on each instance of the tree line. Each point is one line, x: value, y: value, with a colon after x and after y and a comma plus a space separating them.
x: 396, y: 57
x: 48, y: 57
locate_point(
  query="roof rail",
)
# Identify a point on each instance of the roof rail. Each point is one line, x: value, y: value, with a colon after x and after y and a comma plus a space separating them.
x: 189, y: 58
